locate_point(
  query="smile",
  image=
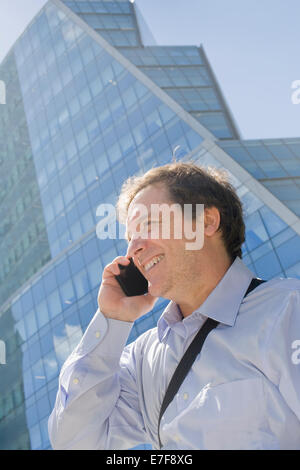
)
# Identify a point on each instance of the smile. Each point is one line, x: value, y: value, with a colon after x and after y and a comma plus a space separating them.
x: 154, y: 261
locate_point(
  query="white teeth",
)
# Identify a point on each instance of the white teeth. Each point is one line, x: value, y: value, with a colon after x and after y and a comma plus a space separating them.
x: 153, y: 262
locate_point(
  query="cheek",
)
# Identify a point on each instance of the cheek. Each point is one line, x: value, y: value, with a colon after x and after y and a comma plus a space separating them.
x: 186, y: 261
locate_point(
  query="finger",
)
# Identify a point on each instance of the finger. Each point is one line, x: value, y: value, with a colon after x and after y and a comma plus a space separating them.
x: 121, y: 260
x: 113, y: 269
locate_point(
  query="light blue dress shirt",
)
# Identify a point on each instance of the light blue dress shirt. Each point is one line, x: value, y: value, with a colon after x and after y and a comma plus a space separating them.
x: 242, y: 392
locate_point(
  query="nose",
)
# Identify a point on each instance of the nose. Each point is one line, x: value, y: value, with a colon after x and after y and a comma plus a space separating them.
x: 136, y: 246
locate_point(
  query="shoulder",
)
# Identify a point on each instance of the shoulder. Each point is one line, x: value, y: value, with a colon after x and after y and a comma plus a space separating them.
x: 283, y: 287
x: 286, y: 295
x: 273, y: 299
x: 284, y: 284
x: 282, y: 314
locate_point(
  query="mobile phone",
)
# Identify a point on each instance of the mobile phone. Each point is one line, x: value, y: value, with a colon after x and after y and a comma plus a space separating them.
x: 131, y: 280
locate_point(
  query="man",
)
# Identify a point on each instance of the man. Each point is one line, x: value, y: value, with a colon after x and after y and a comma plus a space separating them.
x: 242, y: 391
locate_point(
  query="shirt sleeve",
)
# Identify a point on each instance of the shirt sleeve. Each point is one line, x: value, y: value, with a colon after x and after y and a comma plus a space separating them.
x: 282, y: 353
x: 97, y: 403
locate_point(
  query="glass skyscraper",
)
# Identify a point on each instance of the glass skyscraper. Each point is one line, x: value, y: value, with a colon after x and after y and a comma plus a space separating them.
x: 90, y: 100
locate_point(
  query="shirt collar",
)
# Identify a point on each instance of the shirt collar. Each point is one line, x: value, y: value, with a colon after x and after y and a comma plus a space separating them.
x: 223, y: 302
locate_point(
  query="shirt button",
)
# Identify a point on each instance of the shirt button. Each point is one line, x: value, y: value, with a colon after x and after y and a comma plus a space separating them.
x: 176, y: 438
x: 97, y: 334
x: 75, y: 381
x: 185, y: 396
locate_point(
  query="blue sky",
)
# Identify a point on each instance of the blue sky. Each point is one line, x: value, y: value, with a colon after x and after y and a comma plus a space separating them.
x: 252, y: 45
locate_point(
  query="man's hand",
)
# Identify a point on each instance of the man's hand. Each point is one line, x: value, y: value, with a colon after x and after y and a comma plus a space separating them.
x: 112, y: 301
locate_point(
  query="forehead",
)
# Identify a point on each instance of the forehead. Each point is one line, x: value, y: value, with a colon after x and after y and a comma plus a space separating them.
x: 154, y: 194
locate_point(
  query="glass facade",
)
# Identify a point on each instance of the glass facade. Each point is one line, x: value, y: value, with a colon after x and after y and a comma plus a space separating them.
x: 275, y: 163
x: 24, y: 248
x: 85, y: 122
x: 115, y: 21
x: 22, y: 228
x: 182, y: 72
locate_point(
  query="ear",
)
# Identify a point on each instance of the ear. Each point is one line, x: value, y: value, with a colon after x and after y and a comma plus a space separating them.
x: 212, y: 220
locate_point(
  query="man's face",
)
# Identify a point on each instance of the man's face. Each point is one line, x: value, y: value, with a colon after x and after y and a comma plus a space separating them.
x: 166, y: 263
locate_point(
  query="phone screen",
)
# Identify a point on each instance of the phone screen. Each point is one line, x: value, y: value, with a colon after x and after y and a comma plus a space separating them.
x: 131, y: 280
